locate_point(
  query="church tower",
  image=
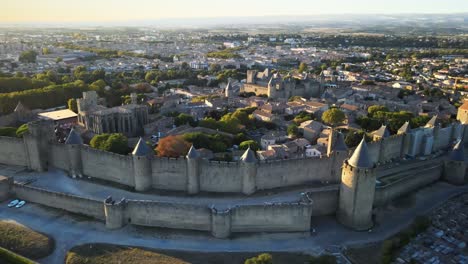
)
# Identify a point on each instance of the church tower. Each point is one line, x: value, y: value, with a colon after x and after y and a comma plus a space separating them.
x: 357, y: 190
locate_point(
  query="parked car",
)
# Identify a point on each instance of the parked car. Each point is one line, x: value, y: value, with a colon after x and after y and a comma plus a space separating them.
x: 13, y: 203
x: 20, y: 204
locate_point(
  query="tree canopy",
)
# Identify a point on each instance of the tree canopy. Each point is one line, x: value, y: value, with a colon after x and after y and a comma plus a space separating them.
x: 172, y: 146
x: 333, y: 116
x: 116, y: 143
x: 28, y: 56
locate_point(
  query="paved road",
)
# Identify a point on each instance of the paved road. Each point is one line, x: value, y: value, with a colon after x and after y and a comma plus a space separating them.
x: 69, y: 231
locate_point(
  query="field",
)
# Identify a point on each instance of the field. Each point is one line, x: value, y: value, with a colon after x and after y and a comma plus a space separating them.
x: 24, y: 241
x: 112, y: 254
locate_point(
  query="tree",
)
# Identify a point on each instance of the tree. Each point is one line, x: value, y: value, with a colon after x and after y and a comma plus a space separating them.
x: 249, y: 143
x: 172, y: 146
x: 260, y: 259
x: 302, y: 67
x: 215, y: 67
x: 46, y: 51
x: 333, y: 116
x: 293, y: 130
x: 353, y: 138
x: 116, y: 143
x: 21, y: 130
x: 376, y: 108
x: 28, y: 56
x: 72, y: 105
x: 183, y: 119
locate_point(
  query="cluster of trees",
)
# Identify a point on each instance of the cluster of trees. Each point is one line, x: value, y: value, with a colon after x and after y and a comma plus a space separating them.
x: 108, y: 53
x: 378, y: 115
x: 387, y: 41
x: 224, y: 54
x: 266, y: 258
x: 236, y: 122
x: 28, y: 56
x: 214, y: 142
x: 353, y: 138
x: 15, y: 84
x: 116, y: 143
x: 50, y: 96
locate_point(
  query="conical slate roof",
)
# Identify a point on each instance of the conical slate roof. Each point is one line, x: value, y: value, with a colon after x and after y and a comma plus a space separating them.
x: 405, y: 128
x: 382, y: 132
x: 432, y: 122
x: 458, y: 154
x: 340, y: 144
x: 229, y: 86
x: 20, y: 107
x: 192, y: 153
x: 360, y: 157
x: 249, y: 156
x: 142, y: 149
x: 74, y: 138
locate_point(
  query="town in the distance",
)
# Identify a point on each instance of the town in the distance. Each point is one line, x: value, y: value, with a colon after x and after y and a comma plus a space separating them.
x: 259, y: 142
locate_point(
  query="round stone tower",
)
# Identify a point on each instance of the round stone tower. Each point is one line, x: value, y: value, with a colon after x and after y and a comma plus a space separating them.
x: 74, y: 142
x: 455, y: 166
x: 142, y: 155
x: 193, y: 171
x: 357, y: 190
x: 249, y: 168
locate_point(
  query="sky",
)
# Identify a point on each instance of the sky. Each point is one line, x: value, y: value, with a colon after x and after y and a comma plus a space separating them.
x: 55, y: 11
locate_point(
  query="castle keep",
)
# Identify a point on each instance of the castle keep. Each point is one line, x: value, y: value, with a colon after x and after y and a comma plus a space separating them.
x: 274, y: 85
x: 348, y: 184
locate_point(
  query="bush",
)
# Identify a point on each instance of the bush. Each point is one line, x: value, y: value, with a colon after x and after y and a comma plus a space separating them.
x: 249, y: 143
x: 392, y: 245
x: 7, y: 131
x: 22, y: 130
x: 260, y: 259
x: 13, y: 258
x: 324, y: 259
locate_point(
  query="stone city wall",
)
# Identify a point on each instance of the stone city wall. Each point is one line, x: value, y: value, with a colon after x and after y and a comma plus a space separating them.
x: 408, y: 182
x: 195, y: 175
x: 274, y: 217
x: 13, y: 151
x: 67, y: 202
x: 107, y: 166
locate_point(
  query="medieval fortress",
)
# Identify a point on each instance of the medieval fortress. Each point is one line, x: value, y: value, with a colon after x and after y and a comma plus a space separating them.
x: 345, y: 183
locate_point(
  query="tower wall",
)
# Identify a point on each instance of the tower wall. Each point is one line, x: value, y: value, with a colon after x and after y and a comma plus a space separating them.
x: 193, y: 175
x: 220, y: 223
x: 455, y: 172
x: 356, y: 197
x: 114, y: 213
x: 142, y: 172
x: 75, y: 162
x: 249, y: 174
x: 37, y: 141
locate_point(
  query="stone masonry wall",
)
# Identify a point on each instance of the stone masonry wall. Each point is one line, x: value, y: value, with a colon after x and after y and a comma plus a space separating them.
x: 13, y: 152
